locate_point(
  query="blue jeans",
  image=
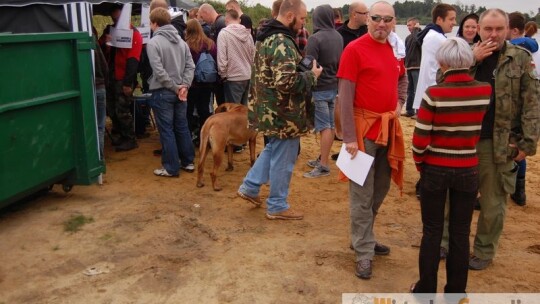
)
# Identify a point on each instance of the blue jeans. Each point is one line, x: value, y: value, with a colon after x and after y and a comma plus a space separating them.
x: 522, y: 168
x: 275, y: 164
x: 101, y: 115
x: 173, y: 129
x: 324, y: 109
x: 412, y: 76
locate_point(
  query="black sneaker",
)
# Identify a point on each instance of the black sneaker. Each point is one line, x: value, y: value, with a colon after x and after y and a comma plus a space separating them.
x: 126, y: 146
x: 143, y: 135
x: 363, y: 269
x: 381, y: 249
x: 409, y: 114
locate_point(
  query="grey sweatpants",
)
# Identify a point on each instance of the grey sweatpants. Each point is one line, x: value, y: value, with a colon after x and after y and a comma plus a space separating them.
x: 366, y: 200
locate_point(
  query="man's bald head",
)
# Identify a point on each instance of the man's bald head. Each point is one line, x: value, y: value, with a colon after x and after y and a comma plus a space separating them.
x: 158, y: 3
x: 290, y: 6
x: 358, y: 12
x: 207, y: 13
x: 357, y: 6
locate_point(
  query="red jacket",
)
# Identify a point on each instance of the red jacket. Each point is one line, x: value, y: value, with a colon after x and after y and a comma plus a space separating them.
x: 126, y: 61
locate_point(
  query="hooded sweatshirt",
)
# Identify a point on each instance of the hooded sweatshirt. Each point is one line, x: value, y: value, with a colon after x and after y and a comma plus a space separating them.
x: 235, y: 52
x: 326, y: 46
x: 532, y: 46
x: 273, y: 27
x: 170, y: 59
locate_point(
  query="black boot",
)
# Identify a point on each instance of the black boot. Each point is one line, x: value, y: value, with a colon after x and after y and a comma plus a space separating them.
x: 519, y: 196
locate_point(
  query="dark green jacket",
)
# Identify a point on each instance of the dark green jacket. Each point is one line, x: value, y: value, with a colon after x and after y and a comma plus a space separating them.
x: 277, y: 106
x: 517, y: 97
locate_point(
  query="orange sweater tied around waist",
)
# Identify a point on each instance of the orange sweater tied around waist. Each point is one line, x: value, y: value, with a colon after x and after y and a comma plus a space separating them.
x: 389, y: 134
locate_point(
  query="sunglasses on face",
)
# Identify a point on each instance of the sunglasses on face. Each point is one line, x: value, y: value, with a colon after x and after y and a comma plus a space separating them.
x: 386, y: 19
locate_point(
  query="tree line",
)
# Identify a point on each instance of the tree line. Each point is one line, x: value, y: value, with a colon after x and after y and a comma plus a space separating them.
x: 404, y: 10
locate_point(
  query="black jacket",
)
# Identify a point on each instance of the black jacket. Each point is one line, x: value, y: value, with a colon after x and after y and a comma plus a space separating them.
x: 349, y: 34
x: 413, y: 47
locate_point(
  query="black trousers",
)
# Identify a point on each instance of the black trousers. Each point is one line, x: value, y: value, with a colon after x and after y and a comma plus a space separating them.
x: 198, y: 98
x: 462, y: 186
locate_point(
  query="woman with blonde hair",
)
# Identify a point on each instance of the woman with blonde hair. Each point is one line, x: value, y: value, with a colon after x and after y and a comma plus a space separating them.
x: 200, y: 94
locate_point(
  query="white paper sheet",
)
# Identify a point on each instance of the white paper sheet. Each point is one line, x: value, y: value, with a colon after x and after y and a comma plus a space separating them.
x: 355, y: 169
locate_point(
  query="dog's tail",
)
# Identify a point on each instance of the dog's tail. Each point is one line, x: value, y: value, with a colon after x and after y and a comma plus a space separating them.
x: 204, y: 144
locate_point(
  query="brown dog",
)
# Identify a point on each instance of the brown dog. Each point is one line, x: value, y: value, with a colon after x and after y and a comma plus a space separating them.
x: 227, y: 127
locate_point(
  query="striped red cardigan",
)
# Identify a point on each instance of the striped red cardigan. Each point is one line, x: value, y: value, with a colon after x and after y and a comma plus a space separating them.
x: 449, y: 121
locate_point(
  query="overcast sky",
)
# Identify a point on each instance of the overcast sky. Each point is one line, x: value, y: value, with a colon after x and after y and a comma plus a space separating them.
x: 524, y: 6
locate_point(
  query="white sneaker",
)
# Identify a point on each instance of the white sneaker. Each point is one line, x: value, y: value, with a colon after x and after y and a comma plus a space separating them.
x: 189, y: 168
x: 164, y: 173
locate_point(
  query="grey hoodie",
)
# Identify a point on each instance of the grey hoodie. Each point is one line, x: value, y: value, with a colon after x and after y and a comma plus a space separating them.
x: 170, y: 60
x: 326, y: 46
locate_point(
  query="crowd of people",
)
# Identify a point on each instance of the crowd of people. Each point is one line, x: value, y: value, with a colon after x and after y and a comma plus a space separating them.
x: 475, y: 98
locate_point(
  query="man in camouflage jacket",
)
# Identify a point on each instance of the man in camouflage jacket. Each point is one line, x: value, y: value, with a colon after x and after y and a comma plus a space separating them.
x: 509, y: 130
x: 277, y: 108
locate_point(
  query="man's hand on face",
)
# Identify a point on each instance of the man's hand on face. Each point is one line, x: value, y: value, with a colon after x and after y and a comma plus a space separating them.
x: 484, y: 49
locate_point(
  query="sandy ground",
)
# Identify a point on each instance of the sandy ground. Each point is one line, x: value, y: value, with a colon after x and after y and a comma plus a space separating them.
x: 154, y: 248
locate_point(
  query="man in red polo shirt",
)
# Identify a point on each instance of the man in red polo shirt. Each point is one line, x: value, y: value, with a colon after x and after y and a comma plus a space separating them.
x: 368, y: 90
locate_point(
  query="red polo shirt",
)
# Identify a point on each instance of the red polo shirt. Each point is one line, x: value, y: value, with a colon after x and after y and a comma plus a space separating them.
x: 375, y: 70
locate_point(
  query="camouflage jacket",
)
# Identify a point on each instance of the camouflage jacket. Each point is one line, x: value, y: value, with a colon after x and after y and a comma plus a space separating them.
x: 277, y: 106
x: 517, y: 97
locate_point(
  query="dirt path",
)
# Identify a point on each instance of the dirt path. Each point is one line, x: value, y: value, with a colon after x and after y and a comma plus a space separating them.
x: 155, y: 249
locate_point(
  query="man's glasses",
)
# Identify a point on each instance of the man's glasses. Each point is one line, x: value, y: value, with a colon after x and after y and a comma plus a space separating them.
x: 386, y: 19
x: 361, y: 13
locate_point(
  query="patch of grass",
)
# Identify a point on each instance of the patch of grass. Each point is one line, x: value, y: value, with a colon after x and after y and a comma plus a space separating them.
x: 106, y: 237
x: 75, y: 223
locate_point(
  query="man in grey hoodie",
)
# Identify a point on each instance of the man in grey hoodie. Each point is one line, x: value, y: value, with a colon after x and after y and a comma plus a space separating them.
x: 172, y: 74
x: 326, y: 46
x: 235, y: 52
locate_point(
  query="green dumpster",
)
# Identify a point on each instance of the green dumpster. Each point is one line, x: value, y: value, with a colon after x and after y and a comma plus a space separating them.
x: 48, y: 129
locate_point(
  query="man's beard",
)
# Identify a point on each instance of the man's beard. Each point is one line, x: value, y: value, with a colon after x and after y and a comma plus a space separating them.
x: 292, y: 25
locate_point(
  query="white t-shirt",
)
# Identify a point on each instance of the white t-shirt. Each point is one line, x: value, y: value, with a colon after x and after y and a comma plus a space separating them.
x: 428, y: 65
x: 536, y: 58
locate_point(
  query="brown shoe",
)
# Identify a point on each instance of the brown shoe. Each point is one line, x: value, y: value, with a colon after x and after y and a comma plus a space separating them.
x: 254, y: 200
x: 285, y: 215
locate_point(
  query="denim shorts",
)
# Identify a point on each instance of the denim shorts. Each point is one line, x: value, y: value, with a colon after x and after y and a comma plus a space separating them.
x: 324, y: 109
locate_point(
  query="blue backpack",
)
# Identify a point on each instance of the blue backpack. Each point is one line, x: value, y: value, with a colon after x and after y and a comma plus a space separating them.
x: 205, y: 69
